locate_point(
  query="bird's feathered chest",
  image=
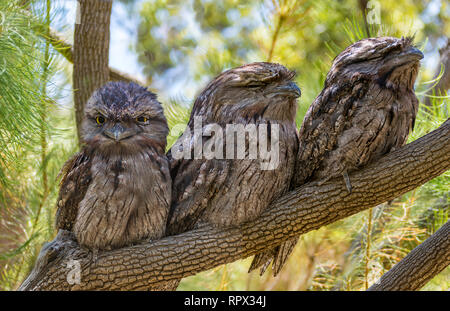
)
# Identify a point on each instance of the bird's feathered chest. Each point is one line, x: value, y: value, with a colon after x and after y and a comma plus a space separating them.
x: 127, y: 200
x: 232, y: 190
x: 118, y: 178
x: 264, y: 177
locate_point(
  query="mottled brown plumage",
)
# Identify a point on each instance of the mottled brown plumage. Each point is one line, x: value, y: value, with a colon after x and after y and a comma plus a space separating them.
x: 366, y: 109
x: 227, y: 192
x: 116, y: 191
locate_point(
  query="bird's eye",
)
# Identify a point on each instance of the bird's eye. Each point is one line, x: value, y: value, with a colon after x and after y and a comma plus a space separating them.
x: 100, y: 120
x: 254, y: 85
x: 142, y: 119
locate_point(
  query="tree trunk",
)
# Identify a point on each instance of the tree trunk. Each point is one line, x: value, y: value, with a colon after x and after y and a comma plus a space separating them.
x: 90, y: 52
x: 300, y: 211
x: 420, y: 265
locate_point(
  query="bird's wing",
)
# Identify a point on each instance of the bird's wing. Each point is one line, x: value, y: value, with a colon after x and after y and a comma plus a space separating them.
x: 74, y: 184
x: 315, y: 140
x: 195, y: 181
x: 321, y: 127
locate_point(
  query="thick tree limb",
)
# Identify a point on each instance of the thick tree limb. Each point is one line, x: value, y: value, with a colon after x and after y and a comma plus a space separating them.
x: 300, y: 211
x: 420, y: 265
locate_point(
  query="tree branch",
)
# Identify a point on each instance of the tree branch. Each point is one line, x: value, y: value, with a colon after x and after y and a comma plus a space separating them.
x: 65, y: 48
x: 420, y: 265
x: 300, y: 211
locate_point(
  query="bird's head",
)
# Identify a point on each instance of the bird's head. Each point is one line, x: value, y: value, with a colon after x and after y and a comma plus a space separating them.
x: 252, y: 91
x: 124, y: 118
x: 392, y: 62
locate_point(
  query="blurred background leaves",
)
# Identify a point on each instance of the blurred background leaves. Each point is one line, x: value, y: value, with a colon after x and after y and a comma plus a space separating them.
x: 177, y: 47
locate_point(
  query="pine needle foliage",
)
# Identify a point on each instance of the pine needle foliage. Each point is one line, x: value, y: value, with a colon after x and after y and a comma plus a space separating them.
x: 32, y: 149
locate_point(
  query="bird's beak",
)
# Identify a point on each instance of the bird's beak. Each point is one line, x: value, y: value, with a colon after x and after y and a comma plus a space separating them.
x: 290, y: 89
x: 119, y: 132
x: 412, y: 53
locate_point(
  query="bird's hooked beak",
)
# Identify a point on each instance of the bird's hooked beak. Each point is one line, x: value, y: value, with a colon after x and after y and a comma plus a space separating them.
x: 409, y: 55
x: 412, y: 53
x: 119, y: 132
x: 289, y: 89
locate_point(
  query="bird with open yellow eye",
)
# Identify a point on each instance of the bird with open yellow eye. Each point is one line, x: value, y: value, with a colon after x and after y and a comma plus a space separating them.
x: 100, y: 120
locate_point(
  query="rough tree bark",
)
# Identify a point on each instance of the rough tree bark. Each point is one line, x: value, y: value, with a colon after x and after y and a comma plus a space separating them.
x: 420, y: 265
x: 300, y: 211
x: 90, y: 52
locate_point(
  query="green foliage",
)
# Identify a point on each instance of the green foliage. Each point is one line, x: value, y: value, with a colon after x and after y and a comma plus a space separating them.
x: 200, y: 35
x: 177, y: 118
x: 20, y: 104
x: 32, y: 149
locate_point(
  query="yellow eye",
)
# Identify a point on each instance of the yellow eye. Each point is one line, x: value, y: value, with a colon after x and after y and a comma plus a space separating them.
x: 142, y: 119
x: 100, y: 120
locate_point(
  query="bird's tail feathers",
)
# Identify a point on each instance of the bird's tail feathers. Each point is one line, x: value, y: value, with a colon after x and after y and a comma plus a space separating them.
x: 278, y: 256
